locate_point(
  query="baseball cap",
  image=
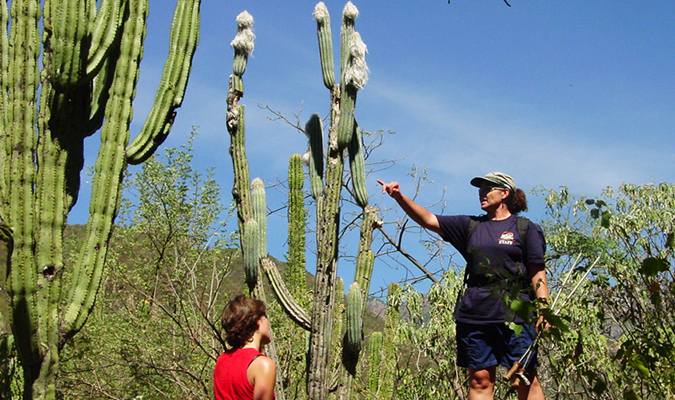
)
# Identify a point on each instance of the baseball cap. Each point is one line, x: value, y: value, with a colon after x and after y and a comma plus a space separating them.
x: 495, y: 178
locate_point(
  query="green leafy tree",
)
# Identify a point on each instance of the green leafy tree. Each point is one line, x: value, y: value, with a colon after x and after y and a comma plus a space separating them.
x: 164, y: 293
x: 621, y: 342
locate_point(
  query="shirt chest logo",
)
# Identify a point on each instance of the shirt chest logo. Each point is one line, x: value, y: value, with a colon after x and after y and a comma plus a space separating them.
x: 507, y: 238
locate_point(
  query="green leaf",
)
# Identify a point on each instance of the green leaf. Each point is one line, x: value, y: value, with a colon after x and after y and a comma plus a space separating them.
x: 595, y: 213
x: 629, y: 394
x: 670, y: 240
x: 521, y: 308
x: 516, y: 328
x: 652, y: 266
x: 606, y: 216
x: 555, y: 320
x: 599, y: 387
x: 640, y: 365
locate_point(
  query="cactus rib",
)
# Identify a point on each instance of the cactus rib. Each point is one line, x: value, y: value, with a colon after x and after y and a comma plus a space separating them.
x: 290, y: 306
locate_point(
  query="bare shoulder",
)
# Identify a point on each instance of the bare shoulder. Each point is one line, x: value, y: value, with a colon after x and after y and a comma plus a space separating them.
x: 263, y: 364
x: 262, y: 374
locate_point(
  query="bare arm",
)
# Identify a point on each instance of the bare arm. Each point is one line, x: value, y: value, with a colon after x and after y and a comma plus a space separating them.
x: 540, y: 284
x: 415, y: 211
x: 262, y: 374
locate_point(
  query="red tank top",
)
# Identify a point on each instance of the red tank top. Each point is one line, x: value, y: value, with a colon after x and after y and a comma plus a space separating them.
x: 230, y: 380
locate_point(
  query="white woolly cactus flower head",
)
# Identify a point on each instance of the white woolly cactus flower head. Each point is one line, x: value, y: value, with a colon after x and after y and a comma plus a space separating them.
x: 356, y: 73
x: 307, y: 157
x: 321, y: 12
x: 350, y: 11
x: 245, y: 36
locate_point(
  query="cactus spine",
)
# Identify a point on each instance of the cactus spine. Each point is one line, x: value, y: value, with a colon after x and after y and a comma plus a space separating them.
x: 91, y: 64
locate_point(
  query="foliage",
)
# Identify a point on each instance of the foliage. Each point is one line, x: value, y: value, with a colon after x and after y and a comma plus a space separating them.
x: 163, y: 294
x: 624, y: 325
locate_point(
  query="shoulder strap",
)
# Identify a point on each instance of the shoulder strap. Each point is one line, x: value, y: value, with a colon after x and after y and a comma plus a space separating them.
x: 473, y: 224
x: 522, y: 224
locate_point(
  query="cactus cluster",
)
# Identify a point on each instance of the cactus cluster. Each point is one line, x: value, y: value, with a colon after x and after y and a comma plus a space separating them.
x: 90, y: 52
x: 326, y: 163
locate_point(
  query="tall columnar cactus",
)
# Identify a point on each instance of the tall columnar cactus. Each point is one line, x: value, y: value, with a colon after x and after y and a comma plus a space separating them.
x: 374, y: 361
x: 326, y: 169
x: 297, y: 220
x: 91, y: 58
x: 354, y: 333
x: 242, y: 192
x: 389, y: 353
x: 260, y: 215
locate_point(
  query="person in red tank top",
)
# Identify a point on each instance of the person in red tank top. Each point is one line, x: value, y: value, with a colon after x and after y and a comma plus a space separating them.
x: 243, y: 372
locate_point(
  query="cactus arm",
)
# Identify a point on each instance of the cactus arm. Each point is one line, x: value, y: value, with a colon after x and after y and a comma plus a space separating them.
x: 374, y: 360
x: 365, y: 256
x: 105, y: 28
x: 250, y: 249
x: 240, y: 191
x: 259, y: 203
x: 354, y: 331
x: 297, y: 220
x: 314, y: 131
x: 357, y: 167
x: 243, y: 43
x: 182, y: 46
x: 388, y: 367
x: 236, y: 121
x: 354, y: 77
x: 289, y: 305
x: 349, y: 15
x: 325, y: 44
x: 67, y: 40
x: 4, y: 64
x: 109, y: 166
x: 4, y: 100
x: 19, y: 145
x: 100, y: 93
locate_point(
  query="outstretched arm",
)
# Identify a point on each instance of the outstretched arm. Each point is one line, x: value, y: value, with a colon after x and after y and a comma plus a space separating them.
x: 415, y: 211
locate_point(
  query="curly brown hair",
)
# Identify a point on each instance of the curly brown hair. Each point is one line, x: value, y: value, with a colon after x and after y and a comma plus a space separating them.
x: 240, y: 319
x: 517, y: 202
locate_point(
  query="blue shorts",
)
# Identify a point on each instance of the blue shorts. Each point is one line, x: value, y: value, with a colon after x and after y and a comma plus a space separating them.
x: 484, y: 346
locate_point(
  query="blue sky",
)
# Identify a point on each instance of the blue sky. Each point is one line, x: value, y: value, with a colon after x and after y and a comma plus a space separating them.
x: 557, y: 93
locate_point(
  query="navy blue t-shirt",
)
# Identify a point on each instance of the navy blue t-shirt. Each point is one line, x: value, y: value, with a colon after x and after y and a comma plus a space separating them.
x: 495, y: 262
